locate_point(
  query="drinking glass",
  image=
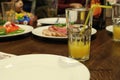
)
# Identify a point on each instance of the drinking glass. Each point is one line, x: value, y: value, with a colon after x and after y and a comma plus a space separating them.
x: 116, y: 21
x: 52, y: 8
x: 8, y: 12
x: 79, y: 26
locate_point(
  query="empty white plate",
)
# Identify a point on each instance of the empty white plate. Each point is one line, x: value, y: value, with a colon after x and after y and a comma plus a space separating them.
x: 51, y: 20
x: 42, y: 67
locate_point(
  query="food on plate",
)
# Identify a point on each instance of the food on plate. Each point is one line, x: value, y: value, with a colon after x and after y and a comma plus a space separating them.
x: 2, y: 30
x: 10, y: 28
x: 55, y: 31
x: 2, y: 22
x: 60, y: 25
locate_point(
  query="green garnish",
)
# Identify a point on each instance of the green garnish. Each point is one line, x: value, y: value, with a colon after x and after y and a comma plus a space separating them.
x: 16, y: 32
x: 2, y: 31
x: 2, y: 22
x: 60, y: 24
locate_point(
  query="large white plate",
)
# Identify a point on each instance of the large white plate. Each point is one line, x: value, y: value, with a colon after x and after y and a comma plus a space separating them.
x: 38, y: 32
x: 51, y: 20
x: 42, y: 67
x: 5, y: 55
x: 109, y: 28
x: 27, y: 29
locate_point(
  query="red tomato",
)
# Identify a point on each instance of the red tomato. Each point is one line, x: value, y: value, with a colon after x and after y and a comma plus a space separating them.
x: 11, y: 28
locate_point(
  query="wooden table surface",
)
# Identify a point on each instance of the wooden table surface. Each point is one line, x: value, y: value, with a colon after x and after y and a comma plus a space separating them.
x: 104, y: 62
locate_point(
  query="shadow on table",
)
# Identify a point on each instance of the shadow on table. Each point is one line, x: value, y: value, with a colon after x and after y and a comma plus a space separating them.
x: 50, y: 40
x: 110, y: 33
x: 93, y: 37
x: 13, y: 38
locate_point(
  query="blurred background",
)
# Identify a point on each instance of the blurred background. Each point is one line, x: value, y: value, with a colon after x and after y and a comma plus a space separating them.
x: 38, y: 7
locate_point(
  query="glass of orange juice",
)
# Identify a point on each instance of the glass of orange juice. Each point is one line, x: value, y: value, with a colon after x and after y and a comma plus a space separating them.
x: 116, y: 21
x: 79, y: 33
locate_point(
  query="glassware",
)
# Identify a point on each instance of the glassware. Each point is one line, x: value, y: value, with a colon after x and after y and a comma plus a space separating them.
x: 79, y: 32
x: 52, y: 8
x: 116, y: 21
x: 8, y: 12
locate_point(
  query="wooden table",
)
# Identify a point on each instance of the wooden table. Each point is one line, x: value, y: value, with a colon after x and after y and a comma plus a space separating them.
x: 104, y: 62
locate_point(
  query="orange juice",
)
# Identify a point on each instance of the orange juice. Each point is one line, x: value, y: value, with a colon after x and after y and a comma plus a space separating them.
x: 79, y: 50
x: 116, y: 32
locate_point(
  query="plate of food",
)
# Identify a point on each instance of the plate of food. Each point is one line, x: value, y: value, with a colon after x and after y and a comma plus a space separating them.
x: 51, y: 20
x: 12, y: 29
x: 52, y: 31
x: 109, y: 28
x: 42, y: 67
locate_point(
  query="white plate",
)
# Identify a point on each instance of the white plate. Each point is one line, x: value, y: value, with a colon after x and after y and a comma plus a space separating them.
x: 27, y: 29
x: 51, y: 20
x: 109, y: 28
x: 38, y: 32
x: 5, y: 55
x: 93, y: 31
x: 42, y: 67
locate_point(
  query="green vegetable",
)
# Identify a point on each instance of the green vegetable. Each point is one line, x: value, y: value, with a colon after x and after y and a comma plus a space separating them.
x: 2, y: 22
x: 2, y: 31
x: 60, y: 24
x: 18, y: 31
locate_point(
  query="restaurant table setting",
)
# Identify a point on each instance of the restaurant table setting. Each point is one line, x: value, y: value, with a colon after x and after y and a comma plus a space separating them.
x: 104, y: 54
x: 78, y: 52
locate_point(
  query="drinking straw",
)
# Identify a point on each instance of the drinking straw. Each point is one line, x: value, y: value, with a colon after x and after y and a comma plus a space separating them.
x: 92, y: 9
x: 102, y: 6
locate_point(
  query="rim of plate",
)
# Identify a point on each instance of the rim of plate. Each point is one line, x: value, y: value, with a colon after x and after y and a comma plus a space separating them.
x: 60, y: 62
x: 38, y: 32
x: 109, y: 28
x: 51, y: 20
